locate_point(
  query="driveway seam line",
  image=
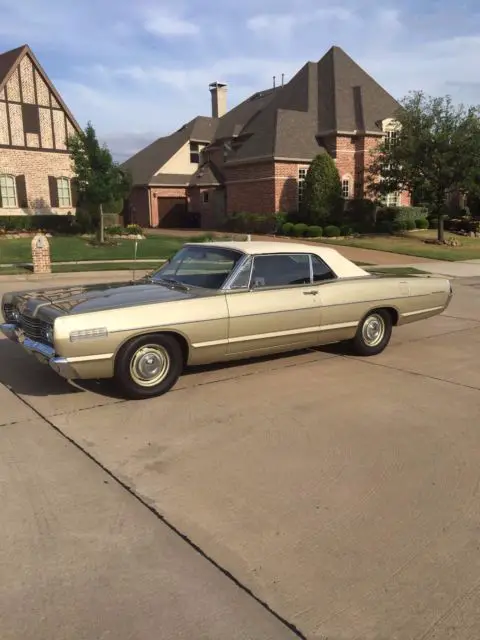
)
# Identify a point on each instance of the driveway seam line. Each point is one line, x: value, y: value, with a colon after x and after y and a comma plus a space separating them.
x: 163, y: 519
x: 413, y: 373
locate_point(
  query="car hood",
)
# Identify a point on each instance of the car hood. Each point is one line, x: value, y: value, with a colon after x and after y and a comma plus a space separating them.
x: 89, y: 298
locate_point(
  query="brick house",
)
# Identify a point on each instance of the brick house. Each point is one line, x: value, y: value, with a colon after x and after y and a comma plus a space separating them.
x: 35, y: 166
x: 254, y: 157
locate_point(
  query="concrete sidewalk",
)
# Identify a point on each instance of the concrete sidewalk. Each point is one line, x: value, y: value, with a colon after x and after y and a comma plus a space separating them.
x: 467, y: 269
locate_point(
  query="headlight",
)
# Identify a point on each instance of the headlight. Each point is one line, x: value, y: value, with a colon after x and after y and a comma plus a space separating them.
x: 49, y: 334
x: 14, y: 315
x: 88, y: 334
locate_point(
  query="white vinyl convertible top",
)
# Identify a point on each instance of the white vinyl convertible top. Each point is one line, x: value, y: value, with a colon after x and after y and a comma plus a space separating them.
x: 340, y: 265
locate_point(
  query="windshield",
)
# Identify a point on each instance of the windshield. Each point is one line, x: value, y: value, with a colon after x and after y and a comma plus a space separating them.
x: 199, y: 266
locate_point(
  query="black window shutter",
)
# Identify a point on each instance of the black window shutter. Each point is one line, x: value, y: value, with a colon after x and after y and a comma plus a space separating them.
x: 53, y: 187
x: 21, y: 192
x: 74, y: 189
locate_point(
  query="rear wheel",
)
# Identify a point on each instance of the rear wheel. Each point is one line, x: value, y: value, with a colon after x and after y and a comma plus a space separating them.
x: 149, y: 366
x: 373, y: 333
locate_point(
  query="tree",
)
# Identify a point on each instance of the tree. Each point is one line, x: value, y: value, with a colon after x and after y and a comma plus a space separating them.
x: 435, y: 151
x: 322, y: 194
x: 99, y: 179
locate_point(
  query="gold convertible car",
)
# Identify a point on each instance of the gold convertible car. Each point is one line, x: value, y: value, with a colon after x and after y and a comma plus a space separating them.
x: 212, y: 302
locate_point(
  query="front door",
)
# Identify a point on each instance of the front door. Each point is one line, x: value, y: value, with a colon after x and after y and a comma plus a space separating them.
x: 278, y: 309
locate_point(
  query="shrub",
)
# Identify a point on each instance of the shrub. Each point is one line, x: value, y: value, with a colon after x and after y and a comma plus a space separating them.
x: 314, y: 231
x: 399, y: 225
x: 114, y: 230
x: 322, y: 194
x: 410, y: 225
x: 421, y: 223
x: 51, y: 223
x: 299, y: 229
x: 251, y: 223
x: 361, y: 213
x: 280, y: 219
x: 384, y: 226
x: 346, y: 230
x: 134, y: 229
x: 433, y: 223
x: 287, y: 228
x: 411, y: 213
x: 331, y: 231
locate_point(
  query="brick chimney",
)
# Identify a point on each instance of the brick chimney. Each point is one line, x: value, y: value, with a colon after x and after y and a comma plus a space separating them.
x: 219, y: 99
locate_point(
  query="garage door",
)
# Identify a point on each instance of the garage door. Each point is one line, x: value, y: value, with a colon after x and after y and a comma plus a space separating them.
x: 172, y: 212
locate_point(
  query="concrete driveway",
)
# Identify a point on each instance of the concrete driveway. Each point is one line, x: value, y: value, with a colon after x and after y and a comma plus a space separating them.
x: 342, y: 492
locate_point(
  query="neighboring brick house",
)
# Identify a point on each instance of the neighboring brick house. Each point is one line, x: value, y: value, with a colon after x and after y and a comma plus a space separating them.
x: 255, y: 156
x: 35, y: 166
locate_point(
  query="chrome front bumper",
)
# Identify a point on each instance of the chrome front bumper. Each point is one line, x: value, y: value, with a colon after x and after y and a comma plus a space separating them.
x: 43, y: 352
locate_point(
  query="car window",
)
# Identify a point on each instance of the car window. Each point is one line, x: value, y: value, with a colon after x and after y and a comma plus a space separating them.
x: 280, y: 270
x: 321, y: 271
x: 200, y: 266
x: 242, y: 279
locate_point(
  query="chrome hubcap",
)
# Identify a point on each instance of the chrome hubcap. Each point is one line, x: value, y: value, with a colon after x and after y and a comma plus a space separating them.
x: 149, y: 365
x: 373, y: 330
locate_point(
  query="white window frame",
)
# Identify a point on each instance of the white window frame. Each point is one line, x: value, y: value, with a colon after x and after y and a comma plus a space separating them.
x: 346, y: 187
x: 8, y: 192
x: 393, y: 199
x: 64, y: 201
x: 302, y: 174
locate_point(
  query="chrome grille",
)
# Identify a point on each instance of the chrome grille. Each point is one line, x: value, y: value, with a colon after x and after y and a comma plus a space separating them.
x: 7, y: 311
x: 33, y: 328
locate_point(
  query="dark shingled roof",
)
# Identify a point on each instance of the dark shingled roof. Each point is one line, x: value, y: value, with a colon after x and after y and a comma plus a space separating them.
x: 7, y: 62
x: 208, y: 175
x: 144, y: 165
x: 332, y: 95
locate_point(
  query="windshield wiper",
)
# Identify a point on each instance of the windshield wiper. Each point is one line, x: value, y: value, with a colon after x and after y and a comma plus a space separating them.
x: 173, y: 283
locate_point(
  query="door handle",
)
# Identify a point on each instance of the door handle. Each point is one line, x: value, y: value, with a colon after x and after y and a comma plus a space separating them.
x: 310, y: 293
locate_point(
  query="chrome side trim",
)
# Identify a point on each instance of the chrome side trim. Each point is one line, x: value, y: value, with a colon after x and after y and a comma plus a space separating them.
x: 102, y: 356
x: 274, y: 334
x: 419, y: 312
x: 339, y: 325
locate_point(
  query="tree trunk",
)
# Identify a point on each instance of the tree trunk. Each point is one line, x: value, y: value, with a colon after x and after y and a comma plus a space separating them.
x: 441, y: 228
x: 102, y: 229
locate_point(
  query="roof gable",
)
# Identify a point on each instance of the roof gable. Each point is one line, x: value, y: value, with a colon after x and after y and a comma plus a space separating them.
x: 146, y: 164
x: 10, y: 62
x: 349, y: 98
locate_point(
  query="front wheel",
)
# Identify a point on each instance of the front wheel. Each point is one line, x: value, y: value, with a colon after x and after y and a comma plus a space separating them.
x: 373, y: 333
x: 148, y: 366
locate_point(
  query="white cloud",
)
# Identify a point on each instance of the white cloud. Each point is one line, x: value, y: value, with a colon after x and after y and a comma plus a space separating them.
x: 147, y: 64
x: 162, y: 22
x: 283, y: 24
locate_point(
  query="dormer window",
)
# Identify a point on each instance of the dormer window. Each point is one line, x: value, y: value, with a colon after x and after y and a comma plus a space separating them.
x: 194, y: 153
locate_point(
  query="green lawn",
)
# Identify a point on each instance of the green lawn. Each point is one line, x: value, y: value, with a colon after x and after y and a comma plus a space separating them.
x: 80, y: 268
x: 412, y: 244
x: 73, y: 248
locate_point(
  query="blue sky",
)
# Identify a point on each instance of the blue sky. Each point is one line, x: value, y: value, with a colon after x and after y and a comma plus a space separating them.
x: 139, y: 69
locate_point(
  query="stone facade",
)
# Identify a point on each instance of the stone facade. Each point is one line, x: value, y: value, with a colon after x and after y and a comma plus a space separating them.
x: 34, y: 125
